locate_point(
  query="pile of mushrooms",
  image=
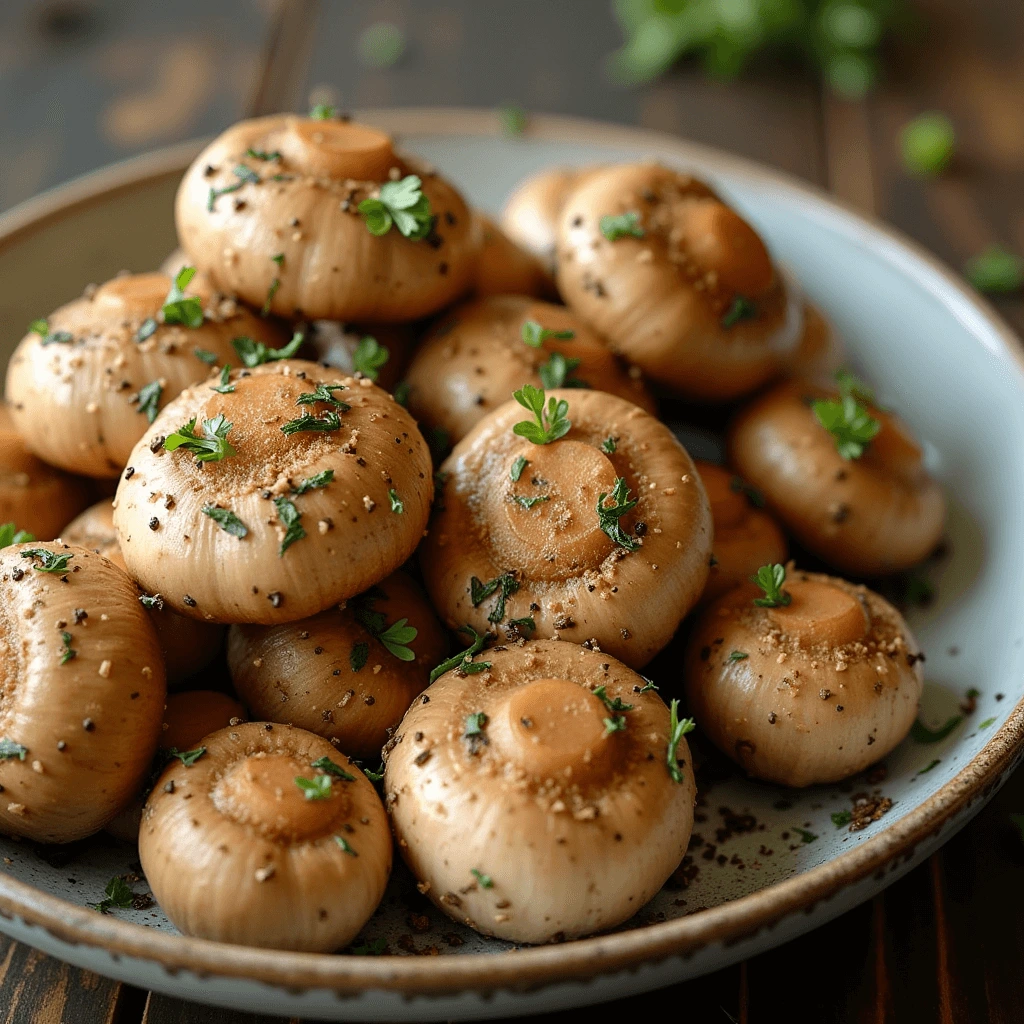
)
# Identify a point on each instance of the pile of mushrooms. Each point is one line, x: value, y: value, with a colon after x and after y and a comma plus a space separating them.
x: 295, y: 547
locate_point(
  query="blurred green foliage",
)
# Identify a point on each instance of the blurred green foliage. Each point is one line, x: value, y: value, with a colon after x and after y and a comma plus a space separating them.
x: 839, y: 38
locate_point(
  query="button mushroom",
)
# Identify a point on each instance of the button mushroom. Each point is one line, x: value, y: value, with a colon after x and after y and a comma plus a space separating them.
x: 34, y: 495
x: 505, y: 268
x: 320, y: 218
x: 294, y: 489
x: 187, y: 644
x: 476, y: 356
x: 845, y: 477
x: 587, y: 522
x: 803, y: 680
x: 84, y: 385
x: 346, y: 674
x: 549, y: 795
x: 746, y: 537
x: 271, y: 838
x: 676, y: 281
x: 83, y: 693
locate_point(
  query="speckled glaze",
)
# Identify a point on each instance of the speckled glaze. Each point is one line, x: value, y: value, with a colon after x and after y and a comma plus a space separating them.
x: 935, y: 351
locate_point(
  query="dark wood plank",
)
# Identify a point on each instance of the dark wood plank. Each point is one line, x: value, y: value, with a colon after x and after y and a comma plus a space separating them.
x: 162, y: 1010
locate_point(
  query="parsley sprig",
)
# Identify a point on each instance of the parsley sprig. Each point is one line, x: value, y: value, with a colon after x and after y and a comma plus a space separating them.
x: 179, y: 308
x: 42, y: 328
x: 740, y: 309
x: 255, y: 353
x: 10, y: 534
x: 677, y: 729
x: 557, y: 372
x: 534, y: 335
x: 316, y: 788
x: 325, y: 764
x: 401, y: 203
x: 324, y: 393
x: 116, y: 896
x: 852, y: 427
x: 396, y: 637
x: 290, y: 518
x: 608, y: 516
x: 504, y: 586
x: 68, y: 653
x: 369, y: 356
x: 616, y: 722
x: 322, y: 424
x: 770, y: 579
x: 548, y: 424
x: 210, y: 445
x: 463, y: 661
x: 311, y: 483
x: 187, y: 757
x: 149, y: 399
x: 226, y: 520
x: 49, y: 561
x: 624, y: 225
x: 9, y: 749
x: 224, y: 387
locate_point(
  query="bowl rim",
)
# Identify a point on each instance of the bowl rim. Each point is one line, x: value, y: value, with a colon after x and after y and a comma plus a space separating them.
x: 582, y: 958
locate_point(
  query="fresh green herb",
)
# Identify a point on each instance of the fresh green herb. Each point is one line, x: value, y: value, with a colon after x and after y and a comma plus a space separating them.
x: 345, y: 848
x: 549, y: 424
x: 608, y: 516
x: 187, y: 757
x: 324, y: 393
x: 323, y: 112
x: 146, y: 329
x: 526, y: 623
x: 381, y: 44
x: 849, y: 423
x: 246, y: 174
x: 920, y: 733
x: 278, y: 258
x: 396, y: 637
x: 617, y: 721
x: 512, y: 119
x: 534, y: 335
x: 49, y: 561
x: 358, y: 656
x: 116, y: 896
x: 739, y: 486
x: 677, y: 729
x: 316, y: 788
x: 290, y: 518
x: 69, y: 653
x: 401, y: 203
x: 179, y: 308
x: 529, y: 503
x: 626, y: 224
x: 211, y: 445
x: 401, y: 392
x: 841, y: 818
x: 609, y: 444
x: 463, y: 659
x: 504, y: 586
x: 40, y: 327
x: 255, y: 353
x: 271, y: 292
x: 10, y: 534
x: 486, y: 882
x: 649, y: 684
x: 517, y: 468
x: 557, y: 372
x: 313, y: 482
x: 9, y: 749
x: 770, y: 579
x: 474, y: 733
x: 149, y: 399
x: 986, y: 723
x: 738, y: 655
x: 740, y: 309
x: 927, y: 143
x: 224, y: 387
x: 996, y: 271
x: 226, y: 520
x: 850, y: 384
x: 261, y: 154
x: 308, y: 422
x: 151, y: 602
x: 216, y: 193
x: 325, y: 764
x: 210, y: 358
x: 397, y: 506
x: 369, y: 356
x: 929, y: 767
x: 805, y: 836
x: 375, y: 776
x: 375, y: 948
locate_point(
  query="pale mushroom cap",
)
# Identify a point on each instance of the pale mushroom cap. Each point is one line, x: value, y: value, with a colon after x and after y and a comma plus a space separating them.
x: 354, y: 534
x: 77, y: 403
x: 235, y: 852
x: 505, y: 268
x: 34, y: 495
x: 187, y: 644
x: 335, y: 345
x: 572, y: 579
x: 820, y: 350
x: 331, y: 267
x: 329, y: 674
x: 663, y: 300
x: 575, y: 827
x: 830, y: 683
x: 475, y: 357
x: 877, y: 514
x: 89, y: 726
x: 746, y: 537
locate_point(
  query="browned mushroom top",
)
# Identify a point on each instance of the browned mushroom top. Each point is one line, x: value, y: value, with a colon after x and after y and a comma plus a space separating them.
x: 505, y: 268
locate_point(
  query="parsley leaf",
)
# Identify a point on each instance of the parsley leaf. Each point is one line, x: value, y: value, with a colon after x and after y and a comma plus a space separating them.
x: 146, y: 329
x: 308, y: 422
x: 740, y: 309
x: 996, y: 271
x: 289, y: 517
x: 617, y: 722
x: 49, y: 561
x: 224, y: 388
x: 9, y: 749
x: 770, y: 579
x: 40, y: 327
x: 614, y: 227
x: 608, y: 516
x: 738, y: 656
x: 474, y: 733
x: 395, y: 638
x: 549, y: 424
x: 271, y: 292
x: 609, y: 444
x: 313, y: 482
x: 841, y: 818
x: 345, y: 848
x: 10, y: 534
x: 323, y: 112
x: 397, y: 506
x: 255, y: 353
x: 325, y: 764
x: 517, y: 468
x: 927, y: 143
x: 805, y: 836
x: 211, y: 445
x: 486, y: 882
x: 358, y: 656
x: 261, y: 154
x: 187, y: 757
x: 464, y: 659
x: 534, y: 335
x: 216, y: 193
x: 179, y: 308
x: 928, y: 767
x: 401, y: 203
x: 557, y: 372
x: 210, y: 358
x: 324, y: 393
x: 246, y: 174
x: 369, y: 356
x: 117, y: 896
x: 529, y: 503
x: 850, y: 424
x: 316, y: 788
x: 69, y: 653
x: 226, y: 520
x: 920, y: 733
x: 677, y: 729
x: 149, y: 399
x: 504, y: 585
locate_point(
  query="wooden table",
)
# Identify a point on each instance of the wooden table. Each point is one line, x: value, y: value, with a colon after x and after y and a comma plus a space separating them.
x: 87, y: 83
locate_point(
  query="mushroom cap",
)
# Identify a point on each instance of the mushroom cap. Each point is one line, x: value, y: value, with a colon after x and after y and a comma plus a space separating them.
x: 667, y: 300
x: 530, y: 217
x: 819, y: 353
x: 830, y: 683
x: 333, y: 268
x: 187, y: 644
x: 88, y: 723
x: 335, y: 345
x: 236, y: 852
x: 575, y: 827
x: 505, y: 268
x: 877, y: 514
x: 746, y: 537
x: 352, y: 537
x: 570, y: 577
x: 473, y: 359
x: 34, y: 495
x: 329, y: 674
x: 77, y: 403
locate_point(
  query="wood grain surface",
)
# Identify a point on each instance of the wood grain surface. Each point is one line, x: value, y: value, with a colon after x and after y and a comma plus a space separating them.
x: 88, y: 82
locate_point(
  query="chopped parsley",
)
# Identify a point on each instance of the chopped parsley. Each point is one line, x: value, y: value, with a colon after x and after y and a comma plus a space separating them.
x: 504, y: 586
x: 376, y: 948
x: 512, y: 118
x: 290, y: 518
x: 204, y: 356
x: 151, y: 602
x: 486, y: 882
x: 308, y: 422
x: 608, y: 516
x: 255, y: 353
x: 324, y: 393
x: 323, y: 112
x: 9, y: 749
x: 649, y: 684
x: 224, y: 388
x: 928, y: 767
x: 474, y: 732
x: 517, y: 468
x: 526, y: 623
x: 10, y: 534
x: 374, y: 776
x: 316, y: 788
x: 313, y: 482
x: 49, y: 561
x: 397, y: 506
x: 149, y: 399
x: 226, y: 520
x: 529, y: 503
x: 395, y: 637
x: 271, y: 292
x: 117, y: 896
x: 401, y: 203
x: 996, y: 271
x: 42, y: 328
x: 187, y: 757
x: 805, y: 836
x: 211, y: 445
x: 617, y: 721
x: 261, y: 154
x: 920, y: 733
x: 850, y: 424
x: 927, y: 143
x: 216, y: 193
x: 740, y: 309
x: 345, y: 847
x: 278, y: 258
x: 534, y: 335
x: 369, y: 356
x: 677, y: 729
x: 69, y: 653
x: 986, y: 723
x: 557, y: 372
x: 246, y: 174
x: 358, y: 656
x: 841, y: 818
x: 623, y: 225
x: 738, y: 655
x: 464, y: 659
x: 770, y: 579
x: 179, y: 308
x: 609, y: 444
x: 548, y: 424
x: 325, y: 764
x: 146, y: 329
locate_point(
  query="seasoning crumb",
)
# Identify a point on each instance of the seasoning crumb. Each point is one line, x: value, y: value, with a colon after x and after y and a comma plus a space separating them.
x: 264, y: 874
x: 105, y: 668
